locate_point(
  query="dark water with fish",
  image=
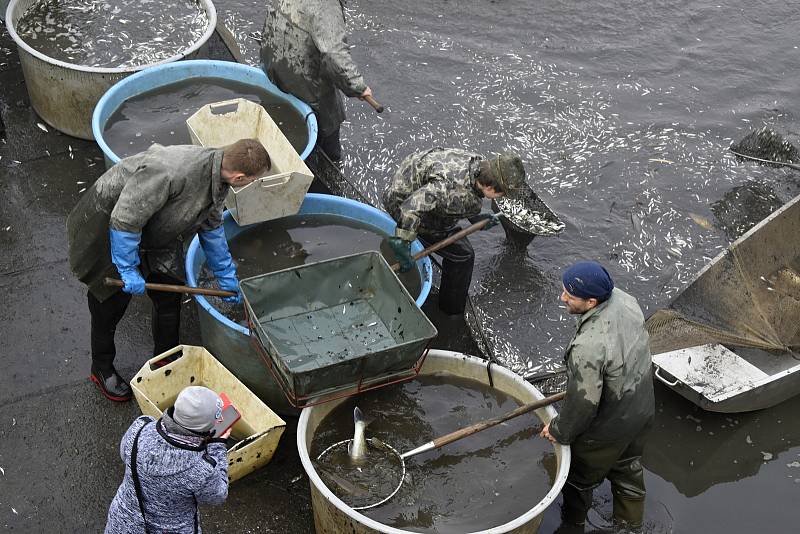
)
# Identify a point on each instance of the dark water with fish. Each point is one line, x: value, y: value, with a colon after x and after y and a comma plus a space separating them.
x: 482, y: 481
x: 623, y: 113
x: 159, y: 116
x: 302, y: 239
x: 112, y: 33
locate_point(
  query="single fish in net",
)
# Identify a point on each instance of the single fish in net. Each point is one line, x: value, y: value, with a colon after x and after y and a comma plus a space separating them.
x: 357, y: 449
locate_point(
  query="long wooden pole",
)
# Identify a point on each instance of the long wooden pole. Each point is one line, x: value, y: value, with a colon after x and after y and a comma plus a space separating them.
x: 374, y: 103
x: 448, y: 241
x: 483, y: 425
x: 170, y: 288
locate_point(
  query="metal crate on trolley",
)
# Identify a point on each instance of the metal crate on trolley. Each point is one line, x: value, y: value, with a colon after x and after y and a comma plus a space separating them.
x: 336, y: 327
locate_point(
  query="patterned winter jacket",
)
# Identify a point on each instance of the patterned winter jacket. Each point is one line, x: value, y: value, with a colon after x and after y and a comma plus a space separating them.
x: 174, y: 478
x: 304, y: 52
x: 610, y: 384
x: 432, y: 191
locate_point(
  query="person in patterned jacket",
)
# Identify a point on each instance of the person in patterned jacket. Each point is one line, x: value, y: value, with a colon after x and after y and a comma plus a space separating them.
x: 431, y: 192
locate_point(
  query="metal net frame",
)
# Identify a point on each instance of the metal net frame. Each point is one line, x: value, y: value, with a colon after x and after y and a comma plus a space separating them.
x: 383, y: 446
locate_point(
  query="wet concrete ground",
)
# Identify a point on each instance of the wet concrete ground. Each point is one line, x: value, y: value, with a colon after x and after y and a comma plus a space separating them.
x: 59, y: 440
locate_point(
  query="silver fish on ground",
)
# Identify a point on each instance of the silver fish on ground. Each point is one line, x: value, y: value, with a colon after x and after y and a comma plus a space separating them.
x: 357, y: 449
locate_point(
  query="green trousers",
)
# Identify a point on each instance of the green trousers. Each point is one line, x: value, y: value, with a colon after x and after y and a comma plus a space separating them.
x: 592, y: 462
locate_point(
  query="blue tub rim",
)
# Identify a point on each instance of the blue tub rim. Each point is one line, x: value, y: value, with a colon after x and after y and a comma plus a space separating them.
x: 11, y: 24
x: 207, y: 68
x: 423, y: 265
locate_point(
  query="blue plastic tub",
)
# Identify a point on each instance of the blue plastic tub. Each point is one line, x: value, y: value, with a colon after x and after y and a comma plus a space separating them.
x: 230, y: 342
x: 163, y: 75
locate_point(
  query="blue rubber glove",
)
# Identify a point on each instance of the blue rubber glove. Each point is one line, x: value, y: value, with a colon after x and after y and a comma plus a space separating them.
x: 494, y: 219
x: 125, y: 255
x: 219, y: 260
x: 402, y: 251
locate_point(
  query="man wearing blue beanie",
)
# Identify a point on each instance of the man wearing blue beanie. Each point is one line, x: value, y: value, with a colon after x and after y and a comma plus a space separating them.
x: 609, y: 404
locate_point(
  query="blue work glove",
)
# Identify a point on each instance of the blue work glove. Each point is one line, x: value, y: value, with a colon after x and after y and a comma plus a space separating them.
x: 402, y: 252
x: 219, y: 260
x: 494, y: 219
x: 125, y: 255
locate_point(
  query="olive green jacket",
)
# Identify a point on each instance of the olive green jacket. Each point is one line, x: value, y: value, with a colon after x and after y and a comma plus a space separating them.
x: 610, y: 385
x: 304, y: 52
x: 432, y: 191
x: 166, y: 193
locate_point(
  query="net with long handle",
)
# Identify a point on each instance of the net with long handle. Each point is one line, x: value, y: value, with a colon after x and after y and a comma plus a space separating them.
x: 749, y: 296
x: 766, y: 146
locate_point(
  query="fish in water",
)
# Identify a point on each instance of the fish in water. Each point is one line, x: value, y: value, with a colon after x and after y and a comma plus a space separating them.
x: 701, y: 221
x: 293, y: 250
x: 357, y: 449
x: 344, y: 484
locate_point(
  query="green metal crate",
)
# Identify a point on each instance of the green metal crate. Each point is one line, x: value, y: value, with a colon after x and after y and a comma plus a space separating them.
x: 337, y: 326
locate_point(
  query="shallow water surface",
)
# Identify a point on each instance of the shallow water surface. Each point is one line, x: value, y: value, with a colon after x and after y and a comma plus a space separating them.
x: 481, y: 481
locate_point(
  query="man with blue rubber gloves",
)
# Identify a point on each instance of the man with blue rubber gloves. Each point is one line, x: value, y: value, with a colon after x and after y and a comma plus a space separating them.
x: 433, y: 190
x: 133, y: 223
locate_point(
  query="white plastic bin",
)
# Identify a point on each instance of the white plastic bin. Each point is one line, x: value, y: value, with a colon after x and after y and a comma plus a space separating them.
x: 281, y: 191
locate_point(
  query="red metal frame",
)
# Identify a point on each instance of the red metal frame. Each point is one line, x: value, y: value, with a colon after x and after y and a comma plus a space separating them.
x: 349, y: 391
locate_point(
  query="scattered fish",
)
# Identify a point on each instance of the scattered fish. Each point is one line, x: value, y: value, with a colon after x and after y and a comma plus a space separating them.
x: 42, y: 127
x: 58, y: 30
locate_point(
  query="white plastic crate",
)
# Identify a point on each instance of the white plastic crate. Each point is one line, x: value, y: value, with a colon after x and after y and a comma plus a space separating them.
x: 281, y: 191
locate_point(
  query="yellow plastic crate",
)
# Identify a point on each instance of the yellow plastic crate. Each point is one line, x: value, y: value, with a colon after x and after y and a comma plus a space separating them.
x: 257, y: 432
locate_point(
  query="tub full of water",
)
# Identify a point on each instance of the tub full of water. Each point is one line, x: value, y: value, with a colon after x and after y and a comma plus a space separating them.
x: 153, y: 106
x: 73, y: 51
x: 499, y: 480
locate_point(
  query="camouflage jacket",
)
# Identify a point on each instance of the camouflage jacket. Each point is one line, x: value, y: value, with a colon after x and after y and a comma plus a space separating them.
x: 304, y: 52
x: 166, y: 193
x: 432, y: 191
x: 610, y: 385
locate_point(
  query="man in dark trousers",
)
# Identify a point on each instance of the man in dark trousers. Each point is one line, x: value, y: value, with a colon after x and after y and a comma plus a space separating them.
x: 433, y: 190
x: 133, y: 222
x: 304, y: 52
x: 609, y: 403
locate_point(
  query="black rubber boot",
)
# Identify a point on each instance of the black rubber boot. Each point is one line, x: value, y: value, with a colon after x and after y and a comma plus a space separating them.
x: 111, y: 385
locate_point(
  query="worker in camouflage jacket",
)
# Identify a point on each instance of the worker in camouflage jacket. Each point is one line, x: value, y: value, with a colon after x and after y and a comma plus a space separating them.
x: 304, y: 52
x: 431, y: 192
x: 133, y: 223
x: 609, y: 403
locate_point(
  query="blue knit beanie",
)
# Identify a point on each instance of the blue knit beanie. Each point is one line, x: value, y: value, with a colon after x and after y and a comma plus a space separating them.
x: 588, y: 280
